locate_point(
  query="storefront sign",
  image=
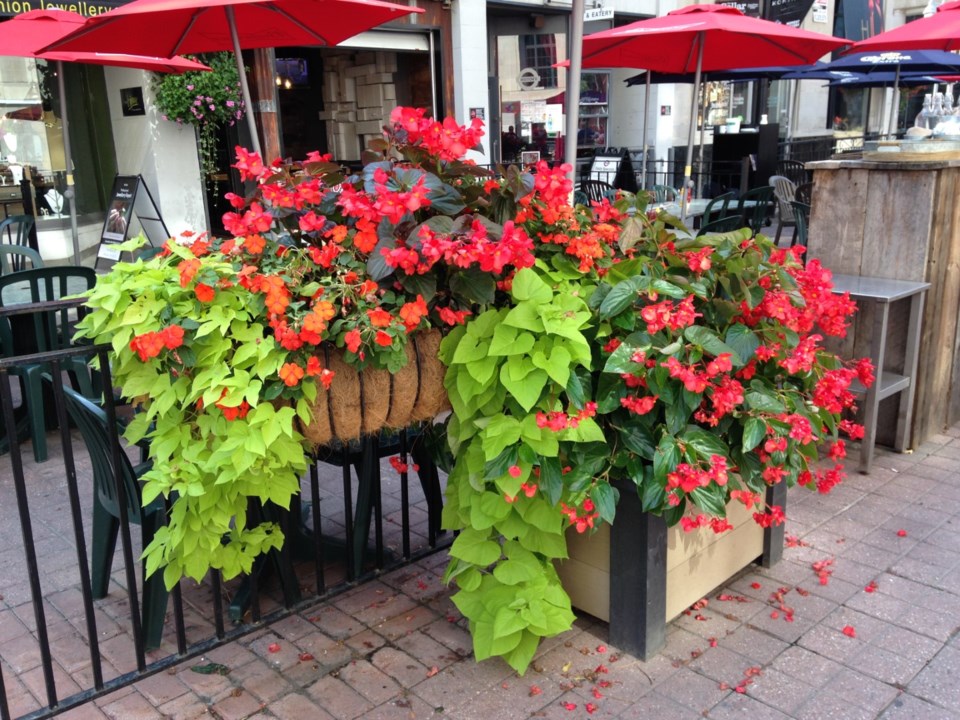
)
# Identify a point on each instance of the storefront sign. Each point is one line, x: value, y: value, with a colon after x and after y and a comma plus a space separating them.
x: 87, y: 9
x: 665, y: 110
x: 129, y: 196
x: 528, y: 79
x: 597, y: 14
x: 819, y: 12
x: 751, y: 8
x: 788, y: 12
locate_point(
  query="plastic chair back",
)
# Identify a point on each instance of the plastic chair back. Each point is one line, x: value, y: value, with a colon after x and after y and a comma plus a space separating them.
x: 596, y: 190
x: 15, y: 230
x: 801, y: 214
x: 717, y: 208
x: 754, y: 217
x: 784, y: 190
x: 15, y: 258
x: 91, y: 420
x: 727, y: 223
x: 665, y: 193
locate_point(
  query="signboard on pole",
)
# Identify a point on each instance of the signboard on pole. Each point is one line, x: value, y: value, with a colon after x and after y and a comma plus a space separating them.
x: 130, y: 196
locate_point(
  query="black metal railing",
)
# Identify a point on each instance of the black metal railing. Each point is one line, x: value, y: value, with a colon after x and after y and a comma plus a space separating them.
x: 38, y: 590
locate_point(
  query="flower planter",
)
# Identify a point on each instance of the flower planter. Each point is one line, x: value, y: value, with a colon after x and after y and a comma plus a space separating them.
x: 671, y: 571
x: 363, y: 403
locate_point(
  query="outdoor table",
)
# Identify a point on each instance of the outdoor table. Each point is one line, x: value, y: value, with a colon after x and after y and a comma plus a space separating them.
x: 696, y: 208
x: 882, y: 292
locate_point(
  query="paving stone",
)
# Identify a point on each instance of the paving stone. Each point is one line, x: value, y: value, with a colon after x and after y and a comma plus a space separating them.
x: 862, y: 691
x: 692, y: 690
x: 375, y: 685
x: 655, y: 705
x: 737, y: 705
x: 185, y: 707
x: 238, y: 705
x: 829, y: 706
x: 908, y: 707
x: 298, y: 707
x: 338, y: 698
x: 778, y: 690
x: 937, y: 683
x: 757, y: 646
x: 132, y: 707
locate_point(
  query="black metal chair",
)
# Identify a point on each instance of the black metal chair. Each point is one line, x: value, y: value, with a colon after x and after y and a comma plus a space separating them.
x: 804, y: 193
x: 717, y: 208
x: 794, y: 170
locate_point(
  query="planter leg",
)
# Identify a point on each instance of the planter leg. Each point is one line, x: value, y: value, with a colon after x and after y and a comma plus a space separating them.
x: 773, y: 536
x: 638, y: 577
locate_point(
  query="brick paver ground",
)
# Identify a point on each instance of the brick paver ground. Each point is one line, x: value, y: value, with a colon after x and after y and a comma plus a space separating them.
x: 397, y: 647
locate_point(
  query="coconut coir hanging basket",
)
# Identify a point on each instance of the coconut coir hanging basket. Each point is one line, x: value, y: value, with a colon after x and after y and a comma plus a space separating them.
x: 365, y: 402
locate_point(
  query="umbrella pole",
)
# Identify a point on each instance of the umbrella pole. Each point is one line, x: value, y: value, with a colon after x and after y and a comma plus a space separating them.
x: 895, y: 108
x: 794, y: 111
x: 646, y: 116
x: 688, y: 167
x: 70, y: 194
x: 573, y: 87
x: 244, y: 85
x: 703, y: 128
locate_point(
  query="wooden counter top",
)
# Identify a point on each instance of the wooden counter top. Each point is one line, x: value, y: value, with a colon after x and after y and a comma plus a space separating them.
x: 934, y: 163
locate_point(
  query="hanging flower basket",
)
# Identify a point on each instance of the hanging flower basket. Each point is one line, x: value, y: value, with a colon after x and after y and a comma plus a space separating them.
x: 367, y: 401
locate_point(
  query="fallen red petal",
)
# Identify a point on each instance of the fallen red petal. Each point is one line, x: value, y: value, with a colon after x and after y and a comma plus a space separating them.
x: 535, y: 690
x: 601, y: 648
x: 901, y: 533
x: 306, y: 657
x: 433, y: 671
x: 597, y: 694
x: 849, y: 631
x: 756, y: 585
x: 590, y: 708
x: 569, y: 706
x: 872, y: 587
x: 273, y: 647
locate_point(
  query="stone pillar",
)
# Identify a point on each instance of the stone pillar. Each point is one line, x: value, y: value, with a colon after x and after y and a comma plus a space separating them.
x: 470, y: 64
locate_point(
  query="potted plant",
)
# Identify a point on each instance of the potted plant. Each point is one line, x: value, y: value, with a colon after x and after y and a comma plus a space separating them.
x: 583, y: 345
x: 207, y: 100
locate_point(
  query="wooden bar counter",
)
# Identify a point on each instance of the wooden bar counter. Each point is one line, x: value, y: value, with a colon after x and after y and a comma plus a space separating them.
x: 898, y: 219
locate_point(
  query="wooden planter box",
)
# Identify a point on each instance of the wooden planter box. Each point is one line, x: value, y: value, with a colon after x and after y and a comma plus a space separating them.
x: 669, y: 570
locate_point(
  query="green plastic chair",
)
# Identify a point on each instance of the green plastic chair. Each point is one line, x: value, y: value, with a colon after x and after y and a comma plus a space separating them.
x: 14, y: 258
x: 15, y: 230
x: 727, y: 223
x: 717, y: 208
x: 665, y: 193
x: 42, y: 331
x: 755, y: 217
x: 91, y: 420
x: 801, y: 215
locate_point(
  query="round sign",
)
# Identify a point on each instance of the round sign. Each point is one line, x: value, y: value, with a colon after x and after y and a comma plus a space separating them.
x: 529, y: 79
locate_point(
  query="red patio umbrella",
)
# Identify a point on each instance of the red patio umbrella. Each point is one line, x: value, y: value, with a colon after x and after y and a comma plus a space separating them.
x: 26, y: 35
x: 172, y: 27
x: 702, y: 38
x: 940, y: 31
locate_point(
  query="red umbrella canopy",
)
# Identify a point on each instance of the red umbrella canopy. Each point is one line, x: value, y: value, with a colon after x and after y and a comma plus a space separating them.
x: 174, y: 27
x: 25, y: 35
x: 729, y: 40
x: 941, y: 31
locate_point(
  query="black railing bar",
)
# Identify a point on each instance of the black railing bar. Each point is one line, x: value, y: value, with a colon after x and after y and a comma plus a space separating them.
x: 377, y: 513
x: 253, y: 579
x: 348, y: 511
x: 130, y: 565
x: 318, y: 558
x: 176, y: 595
x: 26, y: 530
x: 217, y: 582
x: 42, y: 305
x: 404, y: 496
x: 50, y: 355
x: 78, y: 535
x: 202, y: 647
x: 4, y: 709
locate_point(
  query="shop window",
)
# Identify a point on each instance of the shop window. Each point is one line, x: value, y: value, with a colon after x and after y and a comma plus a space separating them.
x: 594, y: 109
x: 31, y: 136
x: 540, y: 53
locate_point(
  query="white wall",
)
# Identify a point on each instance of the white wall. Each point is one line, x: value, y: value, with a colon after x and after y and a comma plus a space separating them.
x: 470, y: 63
x: 164, y: 153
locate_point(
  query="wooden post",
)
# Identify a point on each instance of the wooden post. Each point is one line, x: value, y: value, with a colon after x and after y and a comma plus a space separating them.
x: 263, y: 88
x: 638, y: 577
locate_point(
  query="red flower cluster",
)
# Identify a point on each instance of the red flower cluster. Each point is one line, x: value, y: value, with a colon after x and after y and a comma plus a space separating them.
x: 447, y: 140
x: 150, y: 344
x: 582, y: 518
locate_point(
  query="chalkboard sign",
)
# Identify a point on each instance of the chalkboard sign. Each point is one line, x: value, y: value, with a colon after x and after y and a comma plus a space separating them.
x: 130, y: 196
x: 615, y: 170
